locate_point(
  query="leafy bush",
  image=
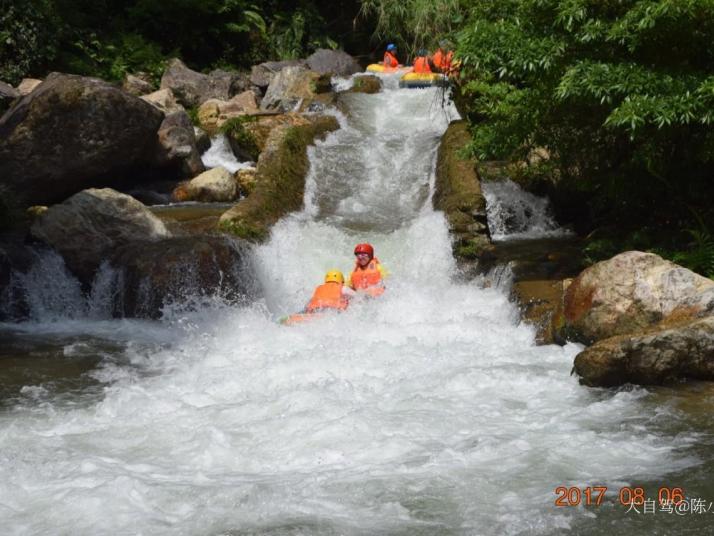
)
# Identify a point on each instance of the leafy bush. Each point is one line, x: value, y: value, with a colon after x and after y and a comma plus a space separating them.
x: 620, y: 95
x: 28, y: 37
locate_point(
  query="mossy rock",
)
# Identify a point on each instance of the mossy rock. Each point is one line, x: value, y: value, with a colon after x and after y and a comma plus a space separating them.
x: 458, y: 193
x: 280, y: 179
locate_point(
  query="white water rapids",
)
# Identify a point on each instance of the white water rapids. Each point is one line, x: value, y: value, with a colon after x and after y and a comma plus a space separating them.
x: 428, y: 411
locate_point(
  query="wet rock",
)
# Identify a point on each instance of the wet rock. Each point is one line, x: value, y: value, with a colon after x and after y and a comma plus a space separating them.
x: 15, y: 257
x: 214, y: 113
x: 261, y: 126
x: 217, y: 184
x: 177, y: 141
x: 294, y: 88
x: 28, y: 85
x: 541, y: 304
x: 8, y: 92
x: 634, y: 291
x: 661, y: 356
x: 163, y: 100
x: 458, y: 193
x: 203, y: 140
x: 181, y: 270
x: 246, y: 180
x: 366, y: 84
x: 70, y: 133
x: 91, y: 224
x: 191, y: 88
x: 280, y: 179
x: 335, y: 62
x: 261, y: 75
x: 136, y: 85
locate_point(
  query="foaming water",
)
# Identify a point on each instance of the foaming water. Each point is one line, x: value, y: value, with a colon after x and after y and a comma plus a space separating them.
x: 220, y: 154
x: 428, y: 411
x: 514, y: 213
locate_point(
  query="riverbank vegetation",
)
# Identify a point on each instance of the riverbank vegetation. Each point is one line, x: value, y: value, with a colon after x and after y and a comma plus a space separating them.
x: 605, y: 105
x: 108, y: 38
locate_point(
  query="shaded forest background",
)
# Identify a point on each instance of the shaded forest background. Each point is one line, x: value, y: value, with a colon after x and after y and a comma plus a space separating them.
x: 605, y: 105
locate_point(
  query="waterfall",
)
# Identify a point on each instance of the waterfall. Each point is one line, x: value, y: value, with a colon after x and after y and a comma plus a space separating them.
x: 427, y: 411
x: 221, y: 154
x: 514, y: 213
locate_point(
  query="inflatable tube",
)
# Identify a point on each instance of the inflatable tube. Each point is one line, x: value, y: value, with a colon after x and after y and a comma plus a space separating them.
x: 380, y: 68
x: 416, y: 80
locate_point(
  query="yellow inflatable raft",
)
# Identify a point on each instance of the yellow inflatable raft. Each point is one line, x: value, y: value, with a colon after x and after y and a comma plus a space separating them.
x: 413, y: 80
x: 380, y: 68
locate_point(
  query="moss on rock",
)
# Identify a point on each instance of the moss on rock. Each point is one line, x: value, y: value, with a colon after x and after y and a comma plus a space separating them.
x: 458, y: 193
x: 280, y: 179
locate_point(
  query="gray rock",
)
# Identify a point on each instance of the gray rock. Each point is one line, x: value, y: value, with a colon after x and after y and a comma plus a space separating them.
x: 293, y: 87
x: 8, y: 92
x: 336, y: 62
x: 192, y: 88
x: 91, y: 224
x: 179, y: 270
x: 261, y: 75
x: 163, y: 100
x: 681, y: 352
x: 71, y: 133
x: 177, y: 141
x: 136, y: 86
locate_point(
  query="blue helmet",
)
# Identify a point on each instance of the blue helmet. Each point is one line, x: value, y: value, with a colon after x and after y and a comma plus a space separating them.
x: 391, y: 46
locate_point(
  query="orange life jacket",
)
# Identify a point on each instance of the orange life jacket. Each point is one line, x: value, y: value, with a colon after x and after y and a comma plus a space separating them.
x: 443, y: 61
x: 390, y: 60
x: 421, y: 65
x: 327, y: 296
x: 368, y: 278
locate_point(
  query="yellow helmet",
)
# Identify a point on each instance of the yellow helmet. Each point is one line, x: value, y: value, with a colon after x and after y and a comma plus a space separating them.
x: 334, y: 276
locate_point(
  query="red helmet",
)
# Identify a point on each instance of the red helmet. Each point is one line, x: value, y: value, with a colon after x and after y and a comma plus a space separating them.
x: 364, y: 248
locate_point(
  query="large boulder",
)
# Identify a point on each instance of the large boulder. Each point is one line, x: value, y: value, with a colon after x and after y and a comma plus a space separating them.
x: 163, y: 100
x: 191, y: 88
x: 217, y: 184
x: 91, y: 224
x: 177, y: 139
x: 293, y: 88
x: 261, y: 75
x: 71, y: 133
x: 458, y: 193
x: 661, y: 356
x: 336, y: 62
x: 280, y: 179
x: 214, y: 113
x: 634, y: 291
x: 181, y: 271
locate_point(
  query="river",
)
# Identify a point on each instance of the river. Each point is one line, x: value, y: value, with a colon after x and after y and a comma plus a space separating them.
x: 428, y: 411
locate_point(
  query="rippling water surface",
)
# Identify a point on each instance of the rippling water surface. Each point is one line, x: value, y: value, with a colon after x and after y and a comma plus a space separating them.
x: 428, y: 411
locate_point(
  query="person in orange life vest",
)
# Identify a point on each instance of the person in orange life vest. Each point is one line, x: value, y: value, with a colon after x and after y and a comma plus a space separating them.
x: 390, y: 58
x: 368, y: 274
x: 443, y: 57
x: 423, y: 63
x: 331, y: 295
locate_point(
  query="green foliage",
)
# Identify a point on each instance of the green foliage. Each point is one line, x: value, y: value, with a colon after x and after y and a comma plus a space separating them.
x: 699, y: 256
x: 413, y: 24
x: 235, y: 129
x: 619, y: 93
x: 108, y: 38
x: 28, y: 35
